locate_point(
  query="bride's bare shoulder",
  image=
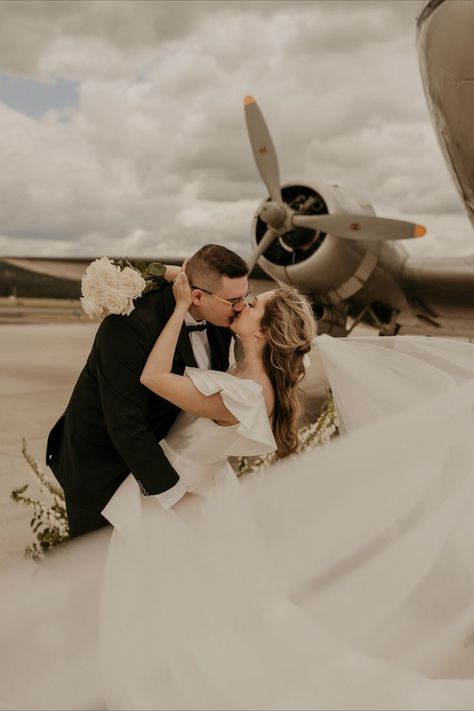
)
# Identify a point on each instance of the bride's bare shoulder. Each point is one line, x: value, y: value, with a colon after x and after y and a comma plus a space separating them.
x: 267, y: 392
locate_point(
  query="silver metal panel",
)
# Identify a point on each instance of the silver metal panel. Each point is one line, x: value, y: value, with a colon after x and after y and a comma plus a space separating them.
x: 446, y: 52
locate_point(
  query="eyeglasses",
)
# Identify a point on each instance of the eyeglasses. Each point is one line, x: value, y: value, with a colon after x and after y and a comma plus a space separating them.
x: 245, y: 299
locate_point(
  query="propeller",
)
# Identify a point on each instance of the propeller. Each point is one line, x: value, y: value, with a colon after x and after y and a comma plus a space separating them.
x: 280, y: 218
x: 263, y: 149
x: 262, y: 247
x: 368, y: 228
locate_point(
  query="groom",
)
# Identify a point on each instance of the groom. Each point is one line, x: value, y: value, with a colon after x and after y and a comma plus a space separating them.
x: 112, y: 424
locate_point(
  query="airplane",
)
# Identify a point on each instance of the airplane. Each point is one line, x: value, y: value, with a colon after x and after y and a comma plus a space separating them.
x: 347, y: 259
x: 350, y: 261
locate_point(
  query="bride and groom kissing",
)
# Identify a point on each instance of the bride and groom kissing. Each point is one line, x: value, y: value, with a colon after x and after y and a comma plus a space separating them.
x: 340, y: 578
x: 131, y: 390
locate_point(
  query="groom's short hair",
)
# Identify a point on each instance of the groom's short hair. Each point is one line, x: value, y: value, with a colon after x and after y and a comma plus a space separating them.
x: 212, y: 262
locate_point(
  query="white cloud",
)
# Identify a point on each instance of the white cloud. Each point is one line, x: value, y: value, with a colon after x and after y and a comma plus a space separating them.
x: 155, y: 157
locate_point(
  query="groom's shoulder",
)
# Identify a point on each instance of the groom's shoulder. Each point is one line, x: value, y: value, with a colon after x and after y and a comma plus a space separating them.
x: 152, y: 303
x: 148, y: 314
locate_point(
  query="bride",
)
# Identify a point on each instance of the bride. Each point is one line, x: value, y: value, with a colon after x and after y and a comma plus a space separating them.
x: 342, y: 578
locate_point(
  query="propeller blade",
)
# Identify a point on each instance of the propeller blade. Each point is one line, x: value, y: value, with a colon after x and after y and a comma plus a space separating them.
x: 360, y: 227
x: 262, y: 246
x: 263, y: 148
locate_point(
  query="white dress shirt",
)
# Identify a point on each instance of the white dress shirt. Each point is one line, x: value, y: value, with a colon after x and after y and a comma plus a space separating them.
x: 202, y: 354
x: 199, y: 343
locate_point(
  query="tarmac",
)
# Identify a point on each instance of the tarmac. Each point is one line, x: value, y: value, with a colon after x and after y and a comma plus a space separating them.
x: 39, y: 364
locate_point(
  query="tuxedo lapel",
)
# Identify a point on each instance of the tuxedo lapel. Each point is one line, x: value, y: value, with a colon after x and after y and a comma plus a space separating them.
x: 183, y: 345
x: 185, y: 349
x: 219, y: 348
x: 219, y: 338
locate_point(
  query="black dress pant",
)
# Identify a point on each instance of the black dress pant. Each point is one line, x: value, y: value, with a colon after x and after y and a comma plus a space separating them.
x: 82, y: 521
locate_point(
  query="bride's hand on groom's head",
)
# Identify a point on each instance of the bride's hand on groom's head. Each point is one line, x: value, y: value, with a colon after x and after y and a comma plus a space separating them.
x: 182, y: 290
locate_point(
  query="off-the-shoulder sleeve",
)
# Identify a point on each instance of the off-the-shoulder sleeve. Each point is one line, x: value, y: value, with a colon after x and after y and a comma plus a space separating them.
x: 244, y: 399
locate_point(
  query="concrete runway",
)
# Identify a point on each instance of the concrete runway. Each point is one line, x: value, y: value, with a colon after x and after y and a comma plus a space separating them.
x: 39, y: 365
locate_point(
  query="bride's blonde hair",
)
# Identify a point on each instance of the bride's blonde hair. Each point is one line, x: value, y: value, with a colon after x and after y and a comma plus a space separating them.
x: 289, y: 327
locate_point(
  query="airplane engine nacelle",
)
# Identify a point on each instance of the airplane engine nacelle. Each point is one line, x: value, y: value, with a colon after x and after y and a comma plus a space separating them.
x: 318, y: 262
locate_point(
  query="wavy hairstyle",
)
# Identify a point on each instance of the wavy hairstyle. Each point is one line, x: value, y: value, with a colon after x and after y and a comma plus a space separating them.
x: 289, y: 327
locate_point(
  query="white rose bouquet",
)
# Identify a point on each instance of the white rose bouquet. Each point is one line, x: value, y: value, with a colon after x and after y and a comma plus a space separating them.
x: 110, y: 288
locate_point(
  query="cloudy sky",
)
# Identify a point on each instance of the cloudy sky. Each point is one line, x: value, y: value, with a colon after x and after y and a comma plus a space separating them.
x: 122, y: 129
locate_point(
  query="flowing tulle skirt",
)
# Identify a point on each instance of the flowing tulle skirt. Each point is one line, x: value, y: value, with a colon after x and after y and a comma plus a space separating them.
x: 342, y: 578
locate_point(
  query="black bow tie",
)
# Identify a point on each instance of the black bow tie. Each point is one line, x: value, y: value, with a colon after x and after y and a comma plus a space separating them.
x: 197, y: 327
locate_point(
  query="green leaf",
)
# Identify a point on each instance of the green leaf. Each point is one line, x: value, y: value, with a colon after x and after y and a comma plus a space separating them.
x: 156, y: 269
x: 151, y: 286
x: 19, y: 491
x: 141, y: 266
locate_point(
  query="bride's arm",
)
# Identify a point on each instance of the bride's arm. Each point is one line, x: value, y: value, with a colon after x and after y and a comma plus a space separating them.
x: 171, y: 272
x: 179, y: 389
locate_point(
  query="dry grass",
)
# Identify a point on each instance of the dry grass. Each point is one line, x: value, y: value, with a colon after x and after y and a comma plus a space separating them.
x: 37, y: 310
x: 27, y: 302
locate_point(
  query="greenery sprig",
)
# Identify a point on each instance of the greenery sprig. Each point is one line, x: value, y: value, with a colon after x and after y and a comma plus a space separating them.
x: 312, y: 435
x: 151, y: 271
x: 49, y: 522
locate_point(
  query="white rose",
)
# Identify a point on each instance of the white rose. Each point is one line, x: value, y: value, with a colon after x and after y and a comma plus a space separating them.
x: 92, y: 290
x: 131, y: 283
x: 93, y: 310
x: 117, y: 303
x: 103, y: 273
x: 129, y: 309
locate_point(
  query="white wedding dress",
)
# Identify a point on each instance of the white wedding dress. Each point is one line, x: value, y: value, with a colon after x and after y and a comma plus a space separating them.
x: 342, y: 578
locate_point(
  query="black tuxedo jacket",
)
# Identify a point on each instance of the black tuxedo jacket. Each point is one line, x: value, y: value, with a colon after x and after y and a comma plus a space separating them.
x: 112, y: 424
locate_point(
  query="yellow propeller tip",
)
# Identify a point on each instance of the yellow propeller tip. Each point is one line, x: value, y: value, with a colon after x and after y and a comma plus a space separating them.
x: 249, y: 100
x: 419, y: 231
